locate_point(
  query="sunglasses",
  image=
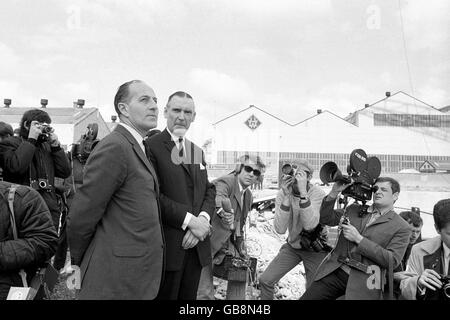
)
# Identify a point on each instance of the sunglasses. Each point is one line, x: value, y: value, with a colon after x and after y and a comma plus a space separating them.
x: 249, y: 169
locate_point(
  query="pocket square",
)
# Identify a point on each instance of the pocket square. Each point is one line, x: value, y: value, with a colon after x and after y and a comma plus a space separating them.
x: 202, y: 167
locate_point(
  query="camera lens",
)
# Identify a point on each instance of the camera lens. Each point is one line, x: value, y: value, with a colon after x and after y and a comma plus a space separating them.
x: 446, y: 290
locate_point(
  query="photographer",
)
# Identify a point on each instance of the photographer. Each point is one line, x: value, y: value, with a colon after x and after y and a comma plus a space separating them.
x: 35, y: 158
x: 233, y: 202
x: 372, y: 240
x: 429, y: 264
x: 296, y: 210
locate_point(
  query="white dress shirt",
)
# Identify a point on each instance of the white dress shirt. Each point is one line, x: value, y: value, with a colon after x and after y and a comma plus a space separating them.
x: 135, y: 135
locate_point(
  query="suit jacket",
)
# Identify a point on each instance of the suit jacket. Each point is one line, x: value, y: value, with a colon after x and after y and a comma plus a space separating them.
x: 114, y: 227
x: 227, y: 187
x: 184, y: 188
x: 387, y: 237
x: 424, y: 255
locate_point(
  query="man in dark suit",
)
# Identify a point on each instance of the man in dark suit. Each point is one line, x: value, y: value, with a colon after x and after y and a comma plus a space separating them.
x: 114, y: 228
x: 187, y: 200
x: 374, y: 242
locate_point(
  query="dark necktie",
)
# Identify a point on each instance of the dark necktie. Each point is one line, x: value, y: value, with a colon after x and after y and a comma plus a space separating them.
x: 181, y: 151
x: 145, y: 147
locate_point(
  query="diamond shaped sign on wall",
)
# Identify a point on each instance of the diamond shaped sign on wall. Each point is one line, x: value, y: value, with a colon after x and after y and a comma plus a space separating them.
x: 253, y: 122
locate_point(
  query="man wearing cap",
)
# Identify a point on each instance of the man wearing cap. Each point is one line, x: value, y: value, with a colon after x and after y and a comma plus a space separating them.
x: 296, y: 209
x: 233, y: 202
x: 429, y: 262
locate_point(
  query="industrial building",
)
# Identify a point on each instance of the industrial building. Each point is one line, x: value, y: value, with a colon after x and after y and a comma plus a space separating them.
x: 401, y: 130
x: 69, y: 123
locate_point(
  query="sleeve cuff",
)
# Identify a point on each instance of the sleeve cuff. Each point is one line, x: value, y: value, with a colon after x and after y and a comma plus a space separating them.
x: 55, y: 149
x: 206, y: 215
x: 304, y: 205
x: 32, y: 141
x: 186, y: 221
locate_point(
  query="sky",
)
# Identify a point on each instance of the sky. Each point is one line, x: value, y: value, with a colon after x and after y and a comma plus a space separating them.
x: 288, y: 57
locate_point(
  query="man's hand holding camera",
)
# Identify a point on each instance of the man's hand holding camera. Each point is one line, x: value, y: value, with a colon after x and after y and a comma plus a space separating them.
x: 350, y: 233
x: 54, y: 142
x: 429, y: 279
x: 337, y: 188
x: 301, y: 178
x: 35, y: 130
x: 286, y: 184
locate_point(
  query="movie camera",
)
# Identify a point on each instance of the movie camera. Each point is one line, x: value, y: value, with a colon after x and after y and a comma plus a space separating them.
x: 87, y: 143
x: 362, y: 173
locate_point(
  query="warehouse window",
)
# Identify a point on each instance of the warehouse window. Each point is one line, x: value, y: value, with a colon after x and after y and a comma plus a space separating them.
x: 411, y: 120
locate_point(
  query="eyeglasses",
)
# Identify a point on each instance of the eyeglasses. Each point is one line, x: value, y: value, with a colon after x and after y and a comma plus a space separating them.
x: 249, y: 169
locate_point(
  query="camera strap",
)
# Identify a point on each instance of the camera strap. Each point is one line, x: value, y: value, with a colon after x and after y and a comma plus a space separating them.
x: 11, y: 193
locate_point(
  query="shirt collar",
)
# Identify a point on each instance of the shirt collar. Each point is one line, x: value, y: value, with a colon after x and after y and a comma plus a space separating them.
x: 136, y: 135
x: 372, y: 209
x: 241, y: 189
x: 175, y: 138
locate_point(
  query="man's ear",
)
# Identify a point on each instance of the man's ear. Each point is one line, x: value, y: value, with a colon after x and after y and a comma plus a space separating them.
x: 395, y: 196
x: 193, y: 116
x: 123, y: 108
x: 165, y: 112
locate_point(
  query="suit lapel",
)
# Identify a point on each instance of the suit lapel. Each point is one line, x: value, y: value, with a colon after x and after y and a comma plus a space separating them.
x: 433, y: 261
x: 138, y: 150
x: 384, y: 218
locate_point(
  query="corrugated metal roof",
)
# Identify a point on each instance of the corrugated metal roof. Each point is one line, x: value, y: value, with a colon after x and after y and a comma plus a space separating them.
x: 58, y: 115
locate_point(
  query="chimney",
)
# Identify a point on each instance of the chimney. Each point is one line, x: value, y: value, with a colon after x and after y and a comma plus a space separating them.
x: 388, y: 94
x: 7, y: 102
x: 44, y: 103
x: 113, y: 119
x: 366, y: 105
x: 80, y: 103
x: 319, y: 111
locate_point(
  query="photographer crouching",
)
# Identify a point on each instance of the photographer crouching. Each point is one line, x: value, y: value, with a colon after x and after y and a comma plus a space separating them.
x: 35, y: 158
x: 372, y: 240
x: 297, y: 210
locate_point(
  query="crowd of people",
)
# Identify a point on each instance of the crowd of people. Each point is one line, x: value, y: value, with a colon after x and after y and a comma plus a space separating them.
x: 146, y: 223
